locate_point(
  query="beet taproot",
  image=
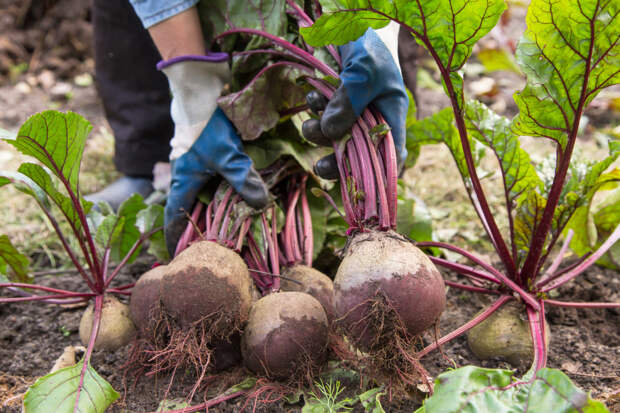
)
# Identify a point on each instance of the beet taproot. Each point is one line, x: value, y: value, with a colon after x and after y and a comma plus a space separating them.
x: 145, y: 306
x: 505, y: 335
x: 382, y: 272
x: 208, y: 282
x: 311, y: 281
x: 115, y: 329
x: 286, y: 336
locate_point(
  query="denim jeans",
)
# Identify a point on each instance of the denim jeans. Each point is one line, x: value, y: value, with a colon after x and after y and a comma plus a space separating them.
x: 152, y: 12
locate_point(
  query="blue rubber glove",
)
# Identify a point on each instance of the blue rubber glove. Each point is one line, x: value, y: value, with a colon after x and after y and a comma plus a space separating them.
x: 370, y: 75
x: 205, y: 143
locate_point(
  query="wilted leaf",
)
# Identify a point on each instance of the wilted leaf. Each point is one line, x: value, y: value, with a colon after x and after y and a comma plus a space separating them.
x: 269, y: 149
x: 57, y: 392
x: 256, y: 108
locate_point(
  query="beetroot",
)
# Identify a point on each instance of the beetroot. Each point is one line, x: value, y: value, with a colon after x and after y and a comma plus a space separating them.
x: 505, y: 335
x: 286, y: 335
x: 385, y: 266
x: 145, y: 303
x: 208, y: 283
x: 116, y: 328
x: 311, y: 281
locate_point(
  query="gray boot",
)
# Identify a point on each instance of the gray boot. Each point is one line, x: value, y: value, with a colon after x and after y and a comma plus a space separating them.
x: 121, y: 189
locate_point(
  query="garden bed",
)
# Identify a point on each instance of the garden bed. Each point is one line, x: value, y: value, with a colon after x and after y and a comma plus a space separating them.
x: 585, y: 345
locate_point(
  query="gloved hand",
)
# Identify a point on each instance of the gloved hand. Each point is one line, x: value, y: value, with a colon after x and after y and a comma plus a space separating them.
x: 205, y: 142
x: 370, y: 74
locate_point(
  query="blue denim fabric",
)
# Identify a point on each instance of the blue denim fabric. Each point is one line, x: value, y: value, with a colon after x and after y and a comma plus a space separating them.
x: 152, y: 12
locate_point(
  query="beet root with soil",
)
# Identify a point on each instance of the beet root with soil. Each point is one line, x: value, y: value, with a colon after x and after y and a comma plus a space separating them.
x: 286, y: 336
x: 207, y: 282
x: 145, y: 306
x: 382, y: 272
x: 308, y: 280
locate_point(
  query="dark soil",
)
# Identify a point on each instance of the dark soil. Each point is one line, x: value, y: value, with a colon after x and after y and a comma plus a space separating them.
x: 585, y: 344
x: 40, y: 35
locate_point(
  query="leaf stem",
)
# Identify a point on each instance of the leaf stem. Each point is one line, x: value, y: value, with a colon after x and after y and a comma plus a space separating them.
x: 308, y: 235
x: 463, y: 269
x: 467, y: 326
x: 537, y: 330
x: 527, y: 297
x: 305, y: 56
x: 573, y: 304
x: 206, y: 405
x: 471, y: 288
x: 613, y: 238
x: 89, y: 349
x: 540, y: 236
x: 127, y: 256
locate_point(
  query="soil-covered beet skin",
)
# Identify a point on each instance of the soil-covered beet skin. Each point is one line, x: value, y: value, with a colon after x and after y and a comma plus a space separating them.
x: 286, y: 336
x: 385, y: 267
x: 145, y: 302
x: 116, y: 328
x: 207, y: 281
x: 313, y: 282
x: 506, y: 335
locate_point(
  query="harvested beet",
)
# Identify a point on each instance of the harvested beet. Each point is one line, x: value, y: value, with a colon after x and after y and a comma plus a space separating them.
x: 145, y: 303
x: 286, y: 335
x: 382, y: 272
x: 116, y: 328
x: 208, y: 283
x: 313, y: 282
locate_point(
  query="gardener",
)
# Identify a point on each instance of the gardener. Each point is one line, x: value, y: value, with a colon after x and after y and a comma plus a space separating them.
x: 135, y: 97
x: 205, y: 142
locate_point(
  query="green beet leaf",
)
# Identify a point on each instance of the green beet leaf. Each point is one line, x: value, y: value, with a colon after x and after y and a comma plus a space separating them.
x: 439, y: 128
x: 413, y: 217
x: 57, y: 141
x: 64, y: 202
x: 593, y: 224
x: 606, y: 218
x: 149, y: 219
x: 118, y: 232
x: 448, y: 29
x: 584, y: 179
x: 472, y: 389
x: 56, y: 392
x: 371, y: 400
x: 11, y: 258
x: 569, y: 52
x: 519, y: 176
x: 494, y: 131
